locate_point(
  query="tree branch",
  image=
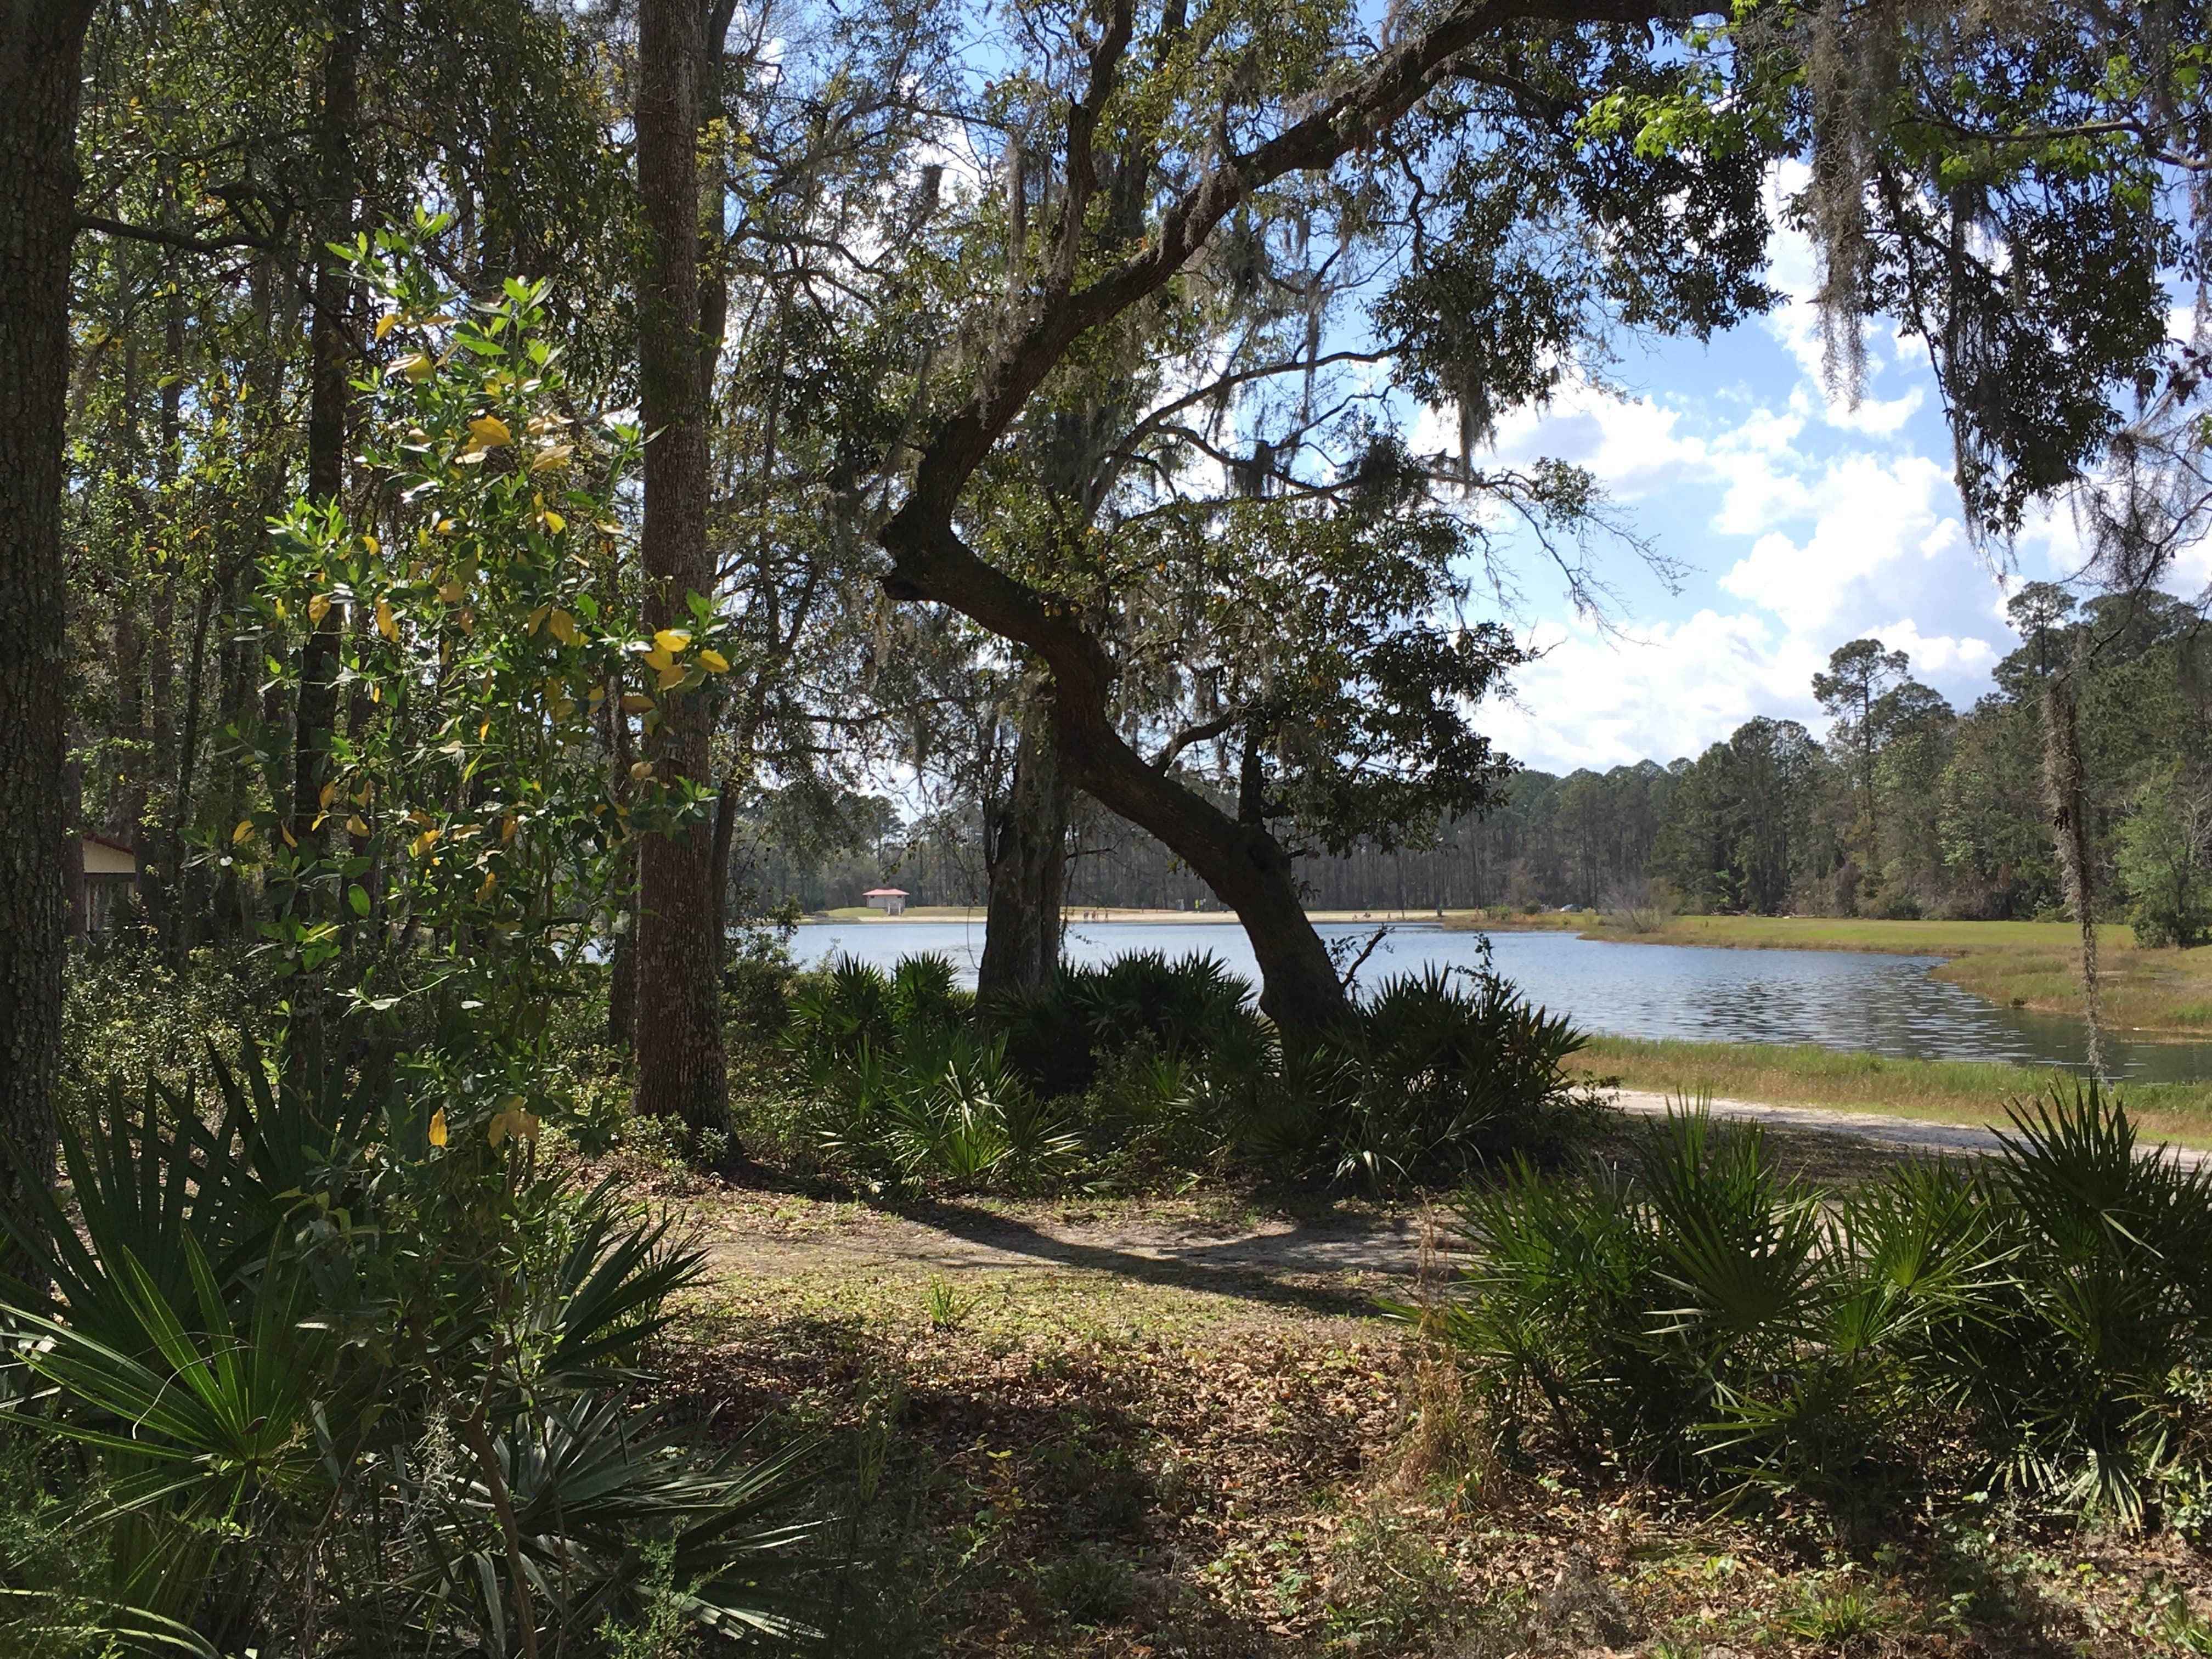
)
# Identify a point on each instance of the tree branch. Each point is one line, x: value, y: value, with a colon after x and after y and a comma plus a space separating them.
x: 175, y: 239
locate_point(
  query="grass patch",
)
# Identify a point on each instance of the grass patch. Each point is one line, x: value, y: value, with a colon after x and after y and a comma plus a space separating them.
x: 1790, y: 1075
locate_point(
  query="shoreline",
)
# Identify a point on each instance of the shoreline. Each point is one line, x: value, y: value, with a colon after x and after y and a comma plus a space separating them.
x: 1077, y: 917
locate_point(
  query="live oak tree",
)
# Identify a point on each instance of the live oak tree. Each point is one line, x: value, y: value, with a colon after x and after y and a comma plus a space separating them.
x: 1540, y: 175
x: 1148, y: 150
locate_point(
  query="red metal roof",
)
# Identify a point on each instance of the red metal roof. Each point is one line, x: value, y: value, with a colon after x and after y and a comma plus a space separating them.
x: 885, y: 892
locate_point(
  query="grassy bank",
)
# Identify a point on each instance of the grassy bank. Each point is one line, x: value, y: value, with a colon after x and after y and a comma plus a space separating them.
x: 2019, y: 964
x: 1802, y: 1074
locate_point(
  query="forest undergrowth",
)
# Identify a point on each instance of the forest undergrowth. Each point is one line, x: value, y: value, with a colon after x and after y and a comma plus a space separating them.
x: 1124, y: 1407
x: 1070, y: 1460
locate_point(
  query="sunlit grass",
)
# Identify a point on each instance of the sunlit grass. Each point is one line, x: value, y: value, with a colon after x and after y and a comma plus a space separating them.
x: 1802, y: 1073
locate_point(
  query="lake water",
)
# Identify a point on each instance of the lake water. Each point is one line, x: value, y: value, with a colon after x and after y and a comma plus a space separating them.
x: 1845, y: 1000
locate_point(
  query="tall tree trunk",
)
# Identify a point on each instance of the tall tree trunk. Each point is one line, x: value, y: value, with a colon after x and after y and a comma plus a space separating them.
x: 41, y: 52
x: 330, y: 400
x: 1025, y: 848
x: 187, y: 887
x: 680, y: 1068
x: 2067, y: 799
x: 621, y: 967
x: 158, y: 845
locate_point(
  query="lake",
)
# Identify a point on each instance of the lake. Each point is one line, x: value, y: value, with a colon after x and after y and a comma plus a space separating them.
x: 1845, y: 1000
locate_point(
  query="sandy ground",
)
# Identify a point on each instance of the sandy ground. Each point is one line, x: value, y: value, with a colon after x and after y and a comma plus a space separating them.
x: 1337, y: 1259
x: 1907, y: 1134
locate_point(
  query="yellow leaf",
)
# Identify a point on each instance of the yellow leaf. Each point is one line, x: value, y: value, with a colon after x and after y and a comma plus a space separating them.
x: 490, y: 886
x: 636, y: 703
x: 417, y: 366
x: 386, y: 624
x: 282, y: 610
x: 386, y: 323
x: 563, y: 708
x: 671, y: 675
x: 376, y: 693
x: 372, y: 544
x: 537, y: 619
x: 289, y: 840
x: 453, y: 593
x: 318, y: 607
x: 599, y: 694
x: 564, y: 627
x: 674, y: 640
x: 243, y: 830
x: 547, y: 459
x: 495, y: 1130
x: 641, y: 769
x: 489, y: 432
x: 713, y: 662
x: 423, y: 843
x: 554, y: 521
x: 355, y: 827
x: 329, y: 792
x: 658, y: 659
x: 438, y: 1128
x: 506, y: 828
x: 483, y: 731
x: 444, y: 526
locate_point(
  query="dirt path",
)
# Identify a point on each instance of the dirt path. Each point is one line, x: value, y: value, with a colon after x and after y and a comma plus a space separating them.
x: 1336, y: 1259
x: 1910, y: 1134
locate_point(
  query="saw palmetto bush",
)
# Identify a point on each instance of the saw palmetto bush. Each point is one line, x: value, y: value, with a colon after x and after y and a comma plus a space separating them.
x: 1143, y: 1063
x: 1437, y: 1073
x: 901, y: 1087
x: 2037, y: 1324
x: 344, y: 1374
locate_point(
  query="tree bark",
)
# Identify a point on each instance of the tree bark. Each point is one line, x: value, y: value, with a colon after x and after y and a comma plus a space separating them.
x: 330, y: 402
x: 41, y: 52
x: 2067, y: 798
x: 680, y: 1068
x: 1025, y: 846
x: 1245, y: 865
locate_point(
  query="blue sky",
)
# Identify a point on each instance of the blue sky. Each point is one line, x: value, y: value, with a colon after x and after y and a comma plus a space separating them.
x: 1805, y: 523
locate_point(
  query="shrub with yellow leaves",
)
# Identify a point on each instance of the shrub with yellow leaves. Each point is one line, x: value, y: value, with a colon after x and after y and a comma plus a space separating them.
x: 465, y: 831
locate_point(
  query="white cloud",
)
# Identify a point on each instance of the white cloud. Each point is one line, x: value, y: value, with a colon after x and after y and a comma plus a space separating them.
x: 1813, y: 522
x: 1651, y: 693
x: 1868, y: 512
x: 1939, y: 655
x: 1635, y: 446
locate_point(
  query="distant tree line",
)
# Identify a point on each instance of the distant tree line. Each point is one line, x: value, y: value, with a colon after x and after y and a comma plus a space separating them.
x: 1907, y: 808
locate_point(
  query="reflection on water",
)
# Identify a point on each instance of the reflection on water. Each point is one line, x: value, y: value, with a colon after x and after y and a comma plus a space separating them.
x: 1845, y: 1000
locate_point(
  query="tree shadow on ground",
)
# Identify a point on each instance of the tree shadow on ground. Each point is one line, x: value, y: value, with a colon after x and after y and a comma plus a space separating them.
x: 1307, y: 1265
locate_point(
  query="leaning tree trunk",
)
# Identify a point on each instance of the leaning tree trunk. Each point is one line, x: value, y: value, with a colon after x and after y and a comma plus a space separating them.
x: 1025, y: 848
x: 680, y: 1068
x: 42, y: 50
